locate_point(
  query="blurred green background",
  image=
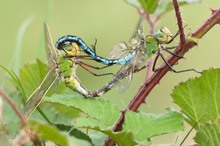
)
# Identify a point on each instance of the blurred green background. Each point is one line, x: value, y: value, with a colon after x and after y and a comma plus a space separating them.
x: 21, y: 41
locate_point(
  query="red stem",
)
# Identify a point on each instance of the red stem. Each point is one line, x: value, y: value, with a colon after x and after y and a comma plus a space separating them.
x: 157, y: 76
x: 14, y: 107
x: 179, y: 23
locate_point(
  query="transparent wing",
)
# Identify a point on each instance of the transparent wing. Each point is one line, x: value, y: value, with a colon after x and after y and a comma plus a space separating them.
x: 127, y: 72
x: 119, y: 50
x: 38, y: 95
x: 52, y: 52
x: 138, y: 33
x: 51, y: 77
x: 128, y: 69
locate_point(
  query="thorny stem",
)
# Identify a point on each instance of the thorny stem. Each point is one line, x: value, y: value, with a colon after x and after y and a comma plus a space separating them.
x: 157, y: 76
x: 179, y: 23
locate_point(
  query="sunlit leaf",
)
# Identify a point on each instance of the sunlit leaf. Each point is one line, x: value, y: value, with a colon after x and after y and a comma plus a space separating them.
x: 208, y: 135
x: 54, y: 115
x: 32, y: 74
x: 102, y: 116
x: 199, y: 98
x: 145, y: 125
x: 99, y: 109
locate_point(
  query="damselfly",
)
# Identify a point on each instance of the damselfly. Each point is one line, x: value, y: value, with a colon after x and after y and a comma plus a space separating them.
x: 143, y: 48
x: 60, y: 66
x: 64, y: 66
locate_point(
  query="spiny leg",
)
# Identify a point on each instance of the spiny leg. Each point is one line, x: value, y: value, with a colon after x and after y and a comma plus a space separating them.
x: 85, y: 57
x: 155, y: 62
x: 170, y: 52
x: 95, y: 67
x: 174, y: 54
x: 180, y: 71
x: 170, y: 48
x: 82, y: 65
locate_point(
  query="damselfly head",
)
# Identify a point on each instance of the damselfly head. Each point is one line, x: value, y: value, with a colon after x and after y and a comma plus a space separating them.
x: 72, y: 49
x: 163, y: 35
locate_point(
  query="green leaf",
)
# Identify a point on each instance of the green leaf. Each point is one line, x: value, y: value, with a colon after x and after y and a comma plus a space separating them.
x: 165, y: 6
x: 48, y: 132
x: 158, y: 7
x: 16, y: 81
x: 102, y: 116
x: 55, y: 116
x: 149, y: 6
x: 31, y: 75
x: 199, y: 98
x: 145, y: 125
x: 99, y: 109
x: 122, y: 138
x: 63, y: 110
x: 208, y: 135
x: 75, y: 132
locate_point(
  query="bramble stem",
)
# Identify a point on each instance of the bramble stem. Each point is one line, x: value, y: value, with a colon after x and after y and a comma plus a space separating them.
x: 182, y: 48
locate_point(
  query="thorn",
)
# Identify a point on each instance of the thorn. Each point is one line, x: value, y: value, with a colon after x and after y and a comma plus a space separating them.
x: 158, y: 82
x: 212, y: 10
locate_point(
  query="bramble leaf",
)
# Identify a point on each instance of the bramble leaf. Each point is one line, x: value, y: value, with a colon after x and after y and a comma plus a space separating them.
x: 208, y: 135
x: 199, y: 98
x: 145, y: 125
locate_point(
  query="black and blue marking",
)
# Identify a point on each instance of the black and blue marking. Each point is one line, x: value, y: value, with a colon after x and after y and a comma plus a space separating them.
x: 74, y: 39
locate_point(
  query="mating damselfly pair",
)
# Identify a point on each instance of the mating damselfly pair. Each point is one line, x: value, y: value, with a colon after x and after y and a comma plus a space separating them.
x: 132, y: 56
